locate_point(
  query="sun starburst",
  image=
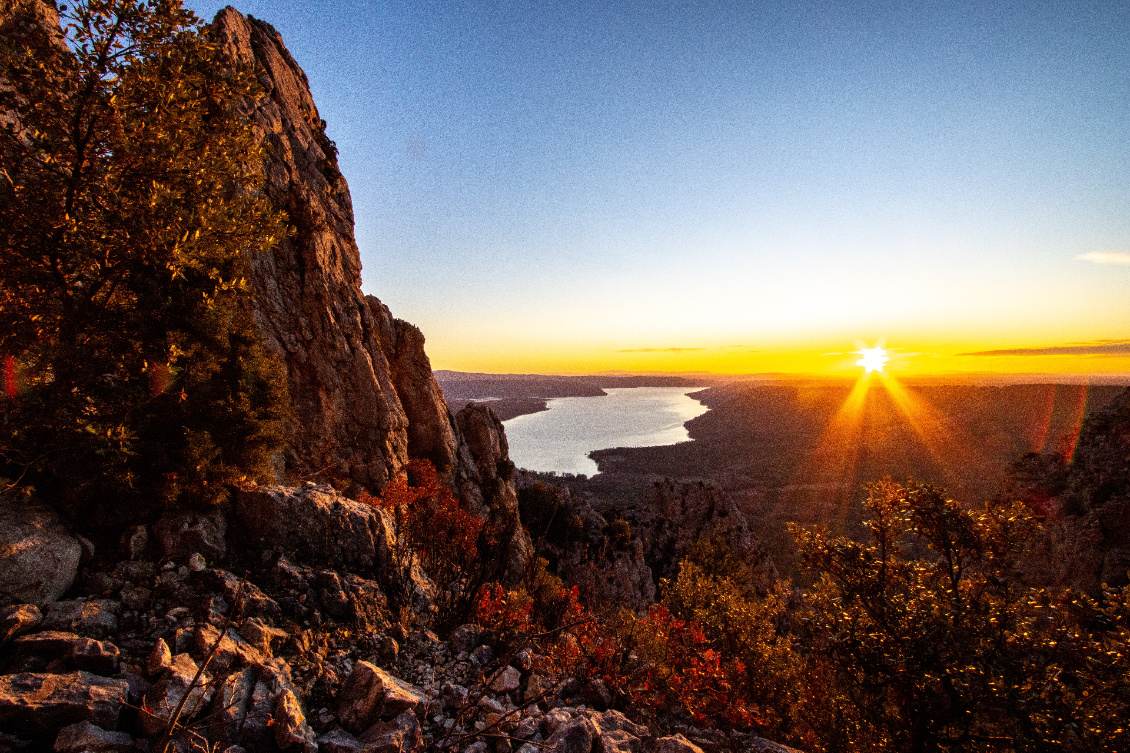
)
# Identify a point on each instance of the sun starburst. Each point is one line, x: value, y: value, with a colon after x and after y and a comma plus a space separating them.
x: 873, y: 358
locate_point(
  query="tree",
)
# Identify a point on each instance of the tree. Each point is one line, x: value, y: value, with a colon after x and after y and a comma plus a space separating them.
x: 130, y: 202
x: 931, y: 642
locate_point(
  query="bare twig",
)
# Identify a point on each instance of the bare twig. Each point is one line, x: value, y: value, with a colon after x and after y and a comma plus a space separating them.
x: 171, y: 728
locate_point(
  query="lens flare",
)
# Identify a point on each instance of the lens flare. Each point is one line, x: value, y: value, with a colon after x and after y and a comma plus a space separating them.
x: 873, y: 358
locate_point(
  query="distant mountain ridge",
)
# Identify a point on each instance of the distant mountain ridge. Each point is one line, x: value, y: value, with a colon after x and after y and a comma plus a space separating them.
x: 460, y: 385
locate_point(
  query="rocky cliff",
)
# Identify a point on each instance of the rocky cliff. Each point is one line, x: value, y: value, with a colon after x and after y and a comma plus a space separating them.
x: 1085, y: 541
x: 365, y: 400
x: 350, y: 425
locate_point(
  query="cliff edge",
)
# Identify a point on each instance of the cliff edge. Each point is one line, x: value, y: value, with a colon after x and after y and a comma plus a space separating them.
x: 364, y: 397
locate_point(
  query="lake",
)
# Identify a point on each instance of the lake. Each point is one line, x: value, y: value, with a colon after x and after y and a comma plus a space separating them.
x: 560, y: 438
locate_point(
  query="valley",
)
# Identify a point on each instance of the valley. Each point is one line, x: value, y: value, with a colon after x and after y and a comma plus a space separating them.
x: 800, y: 451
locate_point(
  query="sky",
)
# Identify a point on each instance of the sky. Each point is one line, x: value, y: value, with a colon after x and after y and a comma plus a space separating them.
x: 735, y: 186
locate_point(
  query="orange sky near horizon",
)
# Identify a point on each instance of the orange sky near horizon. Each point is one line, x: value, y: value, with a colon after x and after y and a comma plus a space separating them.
x: 1071, y: 319
x: 1095, y: 360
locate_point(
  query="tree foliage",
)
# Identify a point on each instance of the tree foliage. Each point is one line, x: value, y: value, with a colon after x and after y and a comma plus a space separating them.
x: 744, y: 629
x: 925, y: 640
x: 130, y: 205
x: 460, y: 552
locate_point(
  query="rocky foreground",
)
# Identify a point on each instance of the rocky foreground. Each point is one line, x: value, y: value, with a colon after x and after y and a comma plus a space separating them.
x: 269, y: 629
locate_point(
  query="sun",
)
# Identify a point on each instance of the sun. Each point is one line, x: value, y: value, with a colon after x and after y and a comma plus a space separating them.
x: 873, y: 358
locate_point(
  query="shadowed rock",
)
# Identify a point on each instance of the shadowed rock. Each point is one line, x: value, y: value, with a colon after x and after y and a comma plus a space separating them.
x: 39, y: 558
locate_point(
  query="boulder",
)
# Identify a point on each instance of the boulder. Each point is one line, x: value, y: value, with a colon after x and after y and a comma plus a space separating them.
x: 39, y: 558
x: 454, y: 696
x: 574, y: 736
x: 37, y: 650
x: 182, y: 534
x: 401, y: 735
x: 247, y: 707
x: 97, y: 618
x: 17, y: 619
x: 506, y: 681
x: 138, y: 686
x: 229, y: 709
x: 84, y: 737
x: 370, y: 695
x: 615, y: 733
x: 466, y: 638
x: 263, y: 637
x: 316, y: 525
x: 291, y: 728
x: 180, y: 682
x: 252, y: 601
x: 537, y: 687
x: 135, y: 598
x: 159, y: 659
x: 339, y: 741
x: 35, y: 705
x: 227, y: 651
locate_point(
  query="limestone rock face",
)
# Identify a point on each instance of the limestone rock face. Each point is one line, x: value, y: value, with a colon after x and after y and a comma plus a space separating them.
x: 363, y: 393
x: 1085, y: 540
x: 484, y: 478
x: 38, y: 557
x: 349, y: 426
x: 432, y: 434
x: 316, y: 524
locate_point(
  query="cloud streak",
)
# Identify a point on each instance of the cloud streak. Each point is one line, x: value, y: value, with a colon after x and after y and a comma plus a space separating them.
x: 1096, y: 348
x: 658, y: 350
x: 1106, y: 257
x: 748, y: 348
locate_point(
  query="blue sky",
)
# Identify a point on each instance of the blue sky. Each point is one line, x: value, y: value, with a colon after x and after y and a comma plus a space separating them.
x: 547, y: 185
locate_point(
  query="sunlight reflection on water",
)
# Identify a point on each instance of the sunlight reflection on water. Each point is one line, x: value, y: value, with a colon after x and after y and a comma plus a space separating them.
x: 559, y: 439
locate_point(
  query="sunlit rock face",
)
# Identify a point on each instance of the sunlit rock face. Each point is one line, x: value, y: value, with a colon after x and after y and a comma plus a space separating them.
x: 364, y: 397
x: 349, y: 425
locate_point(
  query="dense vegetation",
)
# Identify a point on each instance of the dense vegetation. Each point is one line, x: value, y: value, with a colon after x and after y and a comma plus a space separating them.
x: 135, y: 377
x: 922, y: 638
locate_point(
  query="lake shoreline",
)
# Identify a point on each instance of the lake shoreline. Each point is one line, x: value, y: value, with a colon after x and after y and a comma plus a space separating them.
x: 562, y: 438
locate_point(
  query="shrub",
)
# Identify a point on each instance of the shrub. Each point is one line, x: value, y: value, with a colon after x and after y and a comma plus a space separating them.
x: 457, y: 549
x: 925, y: 640
x: 744, y: 631
x: 618, y: 532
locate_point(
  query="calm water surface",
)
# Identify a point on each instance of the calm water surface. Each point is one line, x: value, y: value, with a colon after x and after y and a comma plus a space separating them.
x: 560, y: 439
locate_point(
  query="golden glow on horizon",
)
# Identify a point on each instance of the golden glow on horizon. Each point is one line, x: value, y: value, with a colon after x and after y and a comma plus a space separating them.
x: 873, y: 359
x: 917, y: 356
